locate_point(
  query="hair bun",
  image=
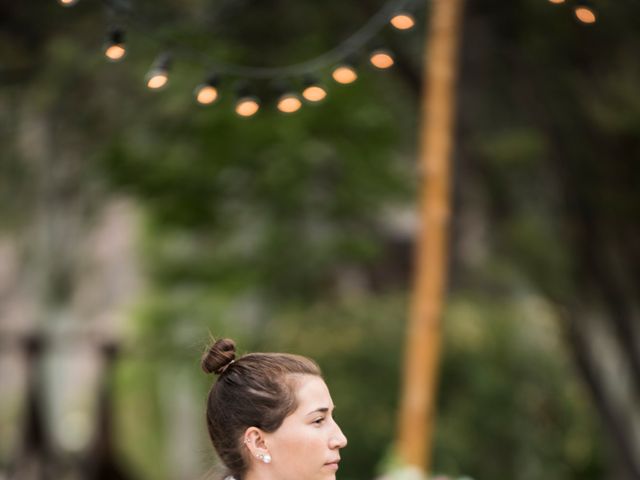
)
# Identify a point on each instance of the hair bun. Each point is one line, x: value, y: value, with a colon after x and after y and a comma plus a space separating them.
x: 218, y: 356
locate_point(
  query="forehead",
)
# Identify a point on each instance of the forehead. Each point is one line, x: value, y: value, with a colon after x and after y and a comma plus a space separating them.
x: 312, y: 393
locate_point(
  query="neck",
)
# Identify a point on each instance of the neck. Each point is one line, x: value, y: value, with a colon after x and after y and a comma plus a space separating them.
x: 259, y: 472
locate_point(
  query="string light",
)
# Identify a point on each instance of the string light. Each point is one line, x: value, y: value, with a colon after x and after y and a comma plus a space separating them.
x: 289, y: 103
x: 403, y: 20
x: 344, y: 74
x: 158, y: 76
x: 207, y: 93
x: 585, y: 13
x: 381, y: 58
x: 157, y: 79
x: 115, y: 48
x: 247, y: 105
x: 313, y: 91
x: 394, y: 11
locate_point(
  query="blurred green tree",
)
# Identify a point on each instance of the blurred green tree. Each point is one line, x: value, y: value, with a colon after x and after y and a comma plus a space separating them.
x: 267, y: 229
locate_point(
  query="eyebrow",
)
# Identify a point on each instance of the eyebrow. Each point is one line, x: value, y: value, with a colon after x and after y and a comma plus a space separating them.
x: 320, y: 410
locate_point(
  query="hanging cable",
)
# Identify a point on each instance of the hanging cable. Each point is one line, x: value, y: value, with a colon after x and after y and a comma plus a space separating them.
x: 348, y: 47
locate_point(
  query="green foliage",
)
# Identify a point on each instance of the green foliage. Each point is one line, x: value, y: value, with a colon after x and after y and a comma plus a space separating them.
x: 259, y: 186
x: 140, y: 421
x: 506, y: 386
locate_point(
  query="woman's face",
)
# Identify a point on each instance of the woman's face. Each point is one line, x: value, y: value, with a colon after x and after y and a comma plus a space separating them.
x: 307, y: 444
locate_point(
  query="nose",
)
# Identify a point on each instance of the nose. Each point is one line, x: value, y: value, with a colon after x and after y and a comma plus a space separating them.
x: 338, y: 439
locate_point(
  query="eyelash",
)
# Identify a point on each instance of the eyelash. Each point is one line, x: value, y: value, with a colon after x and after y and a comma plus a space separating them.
x: 319, y: 420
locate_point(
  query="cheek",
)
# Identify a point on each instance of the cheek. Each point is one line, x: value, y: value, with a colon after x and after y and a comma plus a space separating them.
x: 303, y: 449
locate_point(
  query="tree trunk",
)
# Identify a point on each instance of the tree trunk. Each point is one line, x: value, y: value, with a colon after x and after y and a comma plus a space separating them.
x: 423, y: 333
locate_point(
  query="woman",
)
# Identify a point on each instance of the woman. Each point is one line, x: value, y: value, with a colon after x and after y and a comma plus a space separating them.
x: 270, y: 416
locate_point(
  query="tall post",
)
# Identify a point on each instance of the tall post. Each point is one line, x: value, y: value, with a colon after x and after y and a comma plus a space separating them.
x: 422, y: 351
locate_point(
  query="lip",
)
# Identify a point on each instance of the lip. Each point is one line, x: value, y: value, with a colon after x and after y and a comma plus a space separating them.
x: 333, y: 464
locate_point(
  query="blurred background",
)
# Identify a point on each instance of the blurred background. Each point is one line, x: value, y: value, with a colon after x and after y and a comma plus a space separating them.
x: 135, y: 223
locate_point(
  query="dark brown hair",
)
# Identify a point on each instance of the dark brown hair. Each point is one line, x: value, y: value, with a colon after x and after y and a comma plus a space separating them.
x: 256, y: 390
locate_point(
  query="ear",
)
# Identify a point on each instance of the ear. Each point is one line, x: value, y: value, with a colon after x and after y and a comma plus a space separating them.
x: 255, y: 441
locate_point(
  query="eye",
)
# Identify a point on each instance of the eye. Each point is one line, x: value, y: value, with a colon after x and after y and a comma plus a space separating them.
x: 319, y: 421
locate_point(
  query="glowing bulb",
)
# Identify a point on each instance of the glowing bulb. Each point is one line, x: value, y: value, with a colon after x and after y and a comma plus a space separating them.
x: 289, y: 103
x: 403, y: 21
x: 115, y: 48
x: 67, y: 3
x: 157, y: 79
x: 585, y: 14
x: 158, y: 76
x: 556, y: 1
x: 314, y: 93
x: 115, y: 52
x: 247, y: 106
x: 206, y: 94
x: 344, y: 74
x: 381, y: 59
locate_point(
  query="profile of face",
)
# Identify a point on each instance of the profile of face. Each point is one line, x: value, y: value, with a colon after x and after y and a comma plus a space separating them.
x: 307, y: 444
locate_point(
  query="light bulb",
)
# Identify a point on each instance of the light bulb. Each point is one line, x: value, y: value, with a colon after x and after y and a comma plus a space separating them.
x: 115, y: 48
x: 157, y: 79
x: 314, y: 93
x: 585, y: 14
x: 247, y: 106
x: 556, y: 1
x: 115, y: 52
x: 158, y: 76
x: 381, y: 59
x: 403, y: 21
x: 289, y: 103
x: 206, y: 94
x: 344, y: 74
x: 67, y: 3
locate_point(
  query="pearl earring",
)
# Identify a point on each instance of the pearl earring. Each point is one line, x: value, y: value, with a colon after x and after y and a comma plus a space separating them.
x: 265, y: 457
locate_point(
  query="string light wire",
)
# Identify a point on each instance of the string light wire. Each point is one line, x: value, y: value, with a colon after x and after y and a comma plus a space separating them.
x: 334, y: 58
x: 347, y: 48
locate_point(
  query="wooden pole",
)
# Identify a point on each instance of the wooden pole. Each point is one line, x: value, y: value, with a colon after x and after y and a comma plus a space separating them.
x: 417, y: 408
